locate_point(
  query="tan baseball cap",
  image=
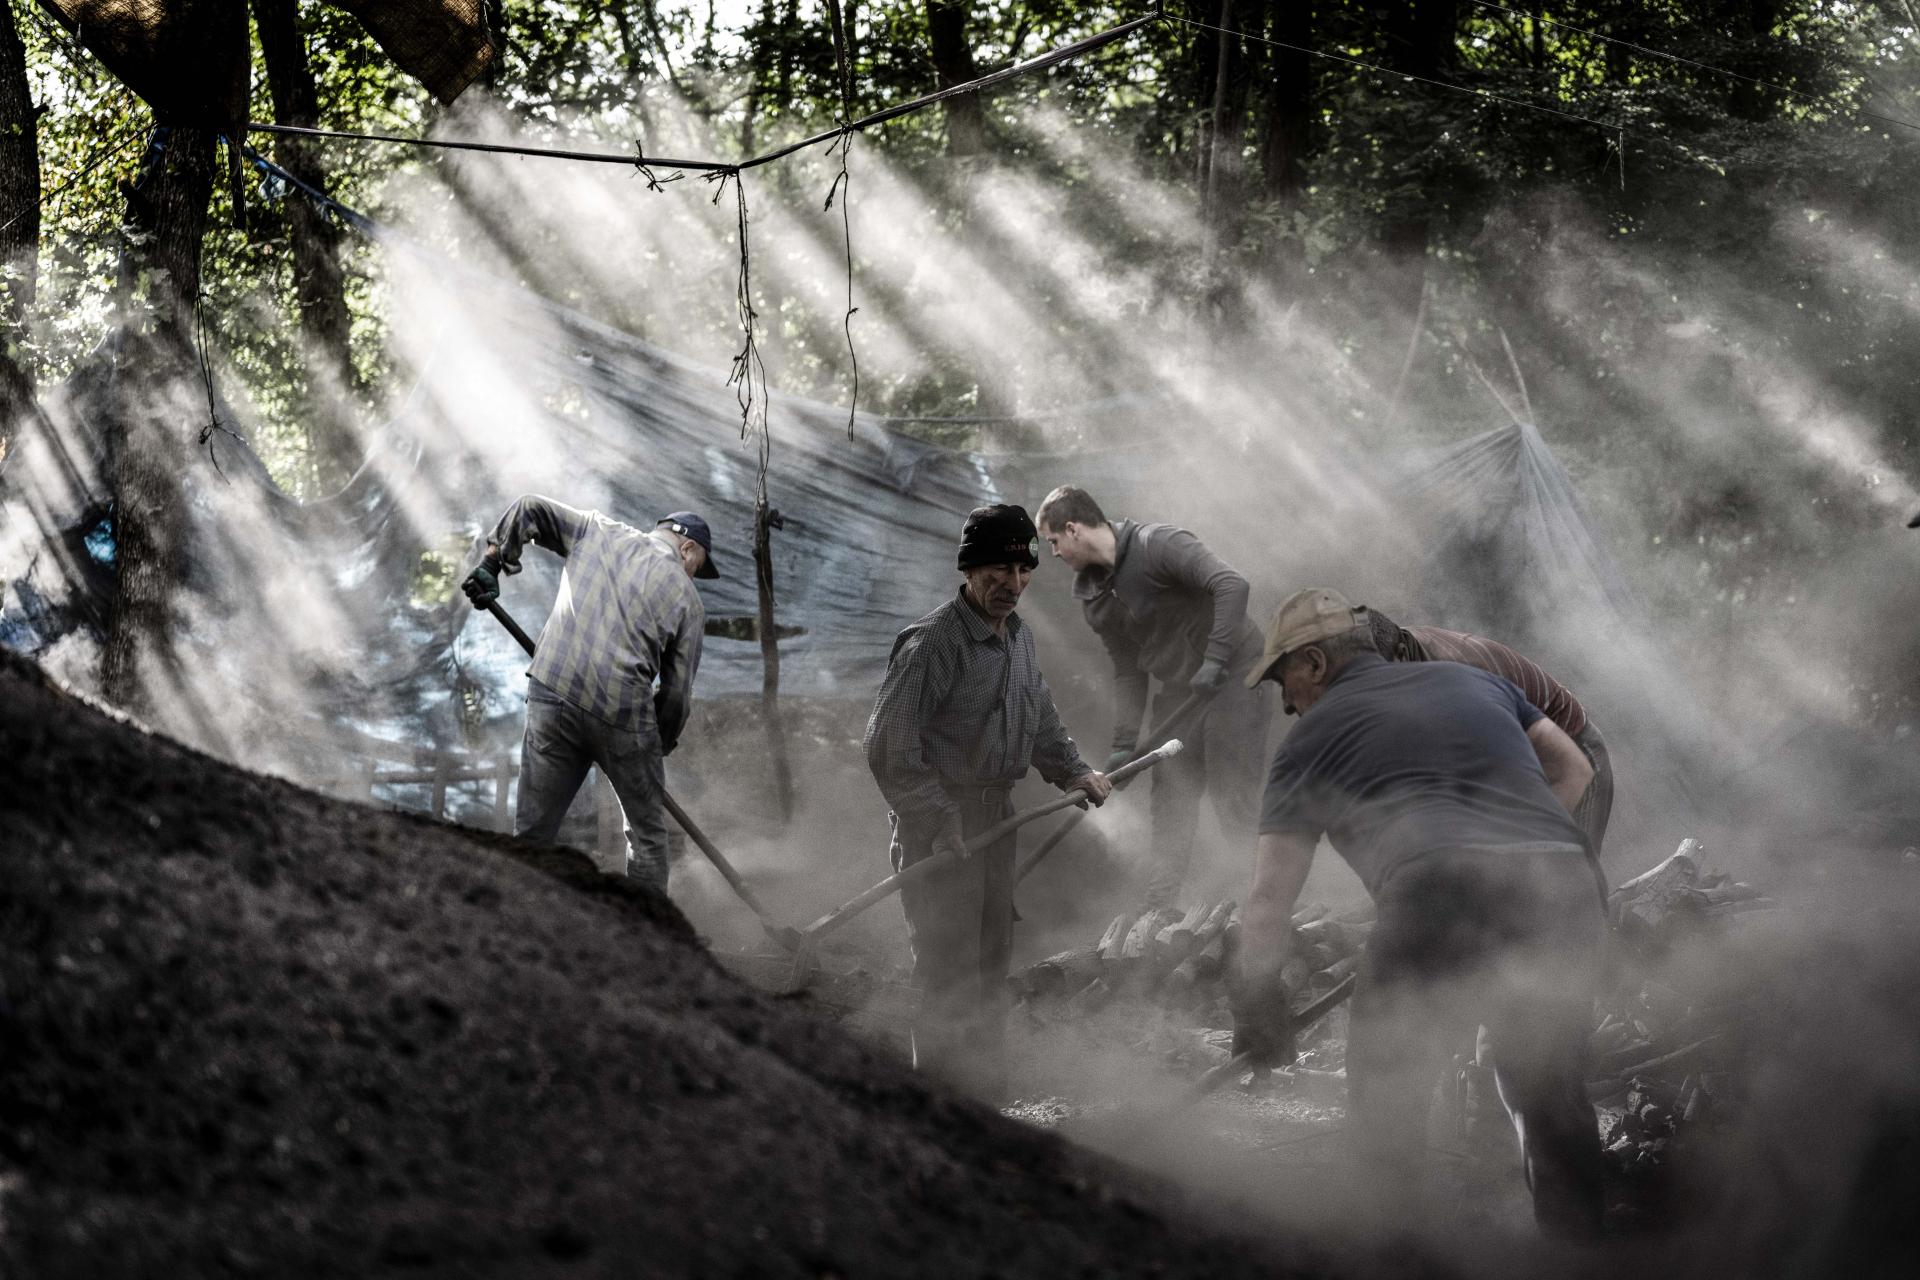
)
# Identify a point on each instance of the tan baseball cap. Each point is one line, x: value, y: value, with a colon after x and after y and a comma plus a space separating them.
x: 1318, y: 613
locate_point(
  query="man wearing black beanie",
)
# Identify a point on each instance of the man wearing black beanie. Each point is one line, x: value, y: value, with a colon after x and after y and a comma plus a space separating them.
x: 961, y: 716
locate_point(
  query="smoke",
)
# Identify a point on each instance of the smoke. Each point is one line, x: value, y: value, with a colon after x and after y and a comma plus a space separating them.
x: 1739, y: 485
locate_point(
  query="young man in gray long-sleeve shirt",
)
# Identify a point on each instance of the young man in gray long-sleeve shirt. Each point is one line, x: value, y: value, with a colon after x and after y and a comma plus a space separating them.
x: 627, y: 618
x: 1168, y: 609
x: 962, y: 714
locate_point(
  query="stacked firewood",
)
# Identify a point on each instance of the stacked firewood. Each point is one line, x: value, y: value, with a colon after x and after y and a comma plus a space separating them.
x: 1177, y: 959
x: 1679, y: 899
x: 1663, y: 1060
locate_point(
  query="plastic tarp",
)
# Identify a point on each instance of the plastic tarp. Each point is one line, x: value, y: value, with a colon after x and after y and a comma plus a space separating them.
x: 288, y: 599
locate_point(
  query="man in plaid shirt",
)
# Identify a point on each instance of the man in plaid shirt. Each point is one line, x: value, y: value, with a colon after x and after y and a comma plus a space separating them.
x: 961, y: 716
x: 612, y: 677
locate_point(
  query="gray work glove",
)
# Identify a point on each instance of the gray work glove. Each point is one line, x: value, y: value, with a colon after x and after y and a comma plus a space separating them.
x: 1211, y: 678
x: 952, y: 840
x: 1118, y: 756
x: 1262, y: 1019
x: 483, y: 584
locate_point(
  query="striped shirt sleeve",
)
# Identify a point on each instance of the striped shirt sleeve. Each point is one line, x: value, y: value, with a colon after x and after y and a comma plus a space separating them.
x: 1541, y: 689
x: 538, y: 520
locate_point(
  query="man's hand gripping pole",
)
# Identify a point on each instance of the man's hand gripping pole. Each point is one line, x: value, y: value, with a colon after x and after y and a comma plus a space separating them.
x: 810, y: 936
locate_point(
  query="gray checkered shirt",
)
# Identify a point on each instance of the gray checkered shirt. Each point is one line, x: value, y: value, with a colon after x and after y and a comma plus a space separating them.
x: 626, y: 614
x: 962, y: 707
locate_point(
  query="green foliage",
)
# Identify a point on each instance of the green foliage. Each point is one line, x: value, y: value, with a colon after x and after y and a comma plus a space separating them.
x: 1687, y: 164
x: 436, y: 580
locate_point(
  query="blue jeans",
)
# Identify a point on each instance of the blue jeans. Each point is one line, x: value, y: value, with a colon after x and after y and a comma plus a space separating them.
x: 562, y: 742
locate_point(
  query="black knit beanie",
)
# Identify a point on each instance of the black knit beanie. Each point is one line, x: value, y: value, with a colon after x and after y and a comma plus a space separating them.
x: 1000, y: 534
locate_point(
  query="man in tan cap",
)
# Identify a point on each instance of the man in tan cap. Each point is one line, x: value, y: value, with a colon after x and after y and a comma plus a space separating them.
x: 1450, y: 796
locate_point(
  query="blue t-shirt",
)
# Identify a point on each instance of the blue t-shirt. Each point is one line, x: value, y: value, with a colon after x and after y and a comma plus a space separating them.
x: 1401, y: 759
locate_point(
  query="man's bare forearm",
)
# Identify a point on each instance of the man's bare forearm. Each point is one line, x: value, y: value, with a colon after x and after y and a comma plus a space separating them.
x: 1280, y: 867
x: 1566, y: 766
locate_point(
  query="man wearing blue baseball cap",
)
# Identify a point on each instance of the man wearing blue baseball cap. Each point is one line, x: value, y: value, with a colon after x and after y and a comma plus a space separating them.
x: 627, y: 619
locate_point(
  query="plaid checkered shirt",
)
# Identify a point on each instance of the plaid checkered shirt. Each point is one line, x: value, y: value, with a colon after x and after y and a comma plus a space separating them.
x: 962, y: 707
x: 627, y: 614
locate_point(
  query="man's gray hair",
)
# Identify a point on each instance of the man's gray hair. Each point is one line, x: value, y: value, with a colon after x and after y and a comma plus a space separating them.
x: 1343, y: 648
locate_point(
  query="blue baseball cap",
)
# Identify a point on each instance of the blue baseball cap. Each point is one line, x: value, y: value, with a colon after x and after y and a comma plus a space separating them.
x: 689, y: 525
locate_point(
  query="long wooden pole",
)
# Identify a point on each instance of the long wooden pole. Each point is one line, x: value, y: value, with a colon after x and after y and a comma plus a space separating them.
x: 891, y: 885
x: 1159, y: 733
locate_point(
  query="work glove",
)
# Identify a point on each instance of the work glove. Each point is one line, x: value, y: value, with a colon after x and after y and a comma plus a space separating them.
x: 1117, y: 757
x: 952, y: 840
x: 1262, y: 1019
x: 1210, y: 679
x: 483, y: 584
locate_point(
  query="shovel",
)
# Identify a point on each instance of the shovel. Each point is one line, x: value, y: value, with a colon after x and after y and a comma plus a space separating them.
x: 785, y: 935
x: 810, y: 936
x: 1302, y: 1019
x: 1065, y: 829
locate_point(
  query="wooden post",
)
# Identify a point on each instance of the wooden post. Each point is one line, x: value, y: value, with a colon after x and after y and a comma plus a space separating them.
x: 502, y: 780
x: 765, y: 521
x: 442, y: 765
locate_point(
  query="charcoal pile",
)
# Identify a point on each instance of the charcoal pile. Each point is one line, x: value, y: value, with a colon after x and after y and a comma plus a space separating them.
x: 1167, y: 968
x: 1666, y: 1061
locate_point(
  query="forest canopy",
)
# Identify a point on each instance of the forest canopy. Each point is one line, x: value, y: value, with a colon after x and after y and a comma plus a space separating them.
x: 1480, y: 209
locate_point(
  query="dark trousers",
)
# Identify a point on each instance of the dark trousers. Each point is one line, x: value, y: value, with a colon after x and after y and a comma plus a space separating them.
x: 562, y: 742
x: 960, y: 926
x: 1508, y: 938
x: 1223, y: 757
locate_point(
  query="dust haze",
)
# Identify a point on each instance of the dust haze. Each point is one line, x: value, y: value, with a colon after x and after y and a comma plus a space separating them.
x: 1278, y: 432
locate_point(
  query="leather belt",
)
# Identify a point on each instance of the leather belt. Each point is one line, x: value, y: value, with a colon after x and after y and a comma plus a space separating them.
x: 980, y: 792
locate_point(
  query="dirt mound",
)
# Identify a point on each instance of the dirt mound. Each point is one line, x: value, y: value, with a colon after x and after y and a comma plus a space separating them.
x: 250, y: 1030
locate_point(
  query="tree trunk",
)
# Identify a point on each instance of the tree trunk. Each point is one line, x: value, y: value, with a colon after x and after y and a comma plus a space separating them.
x: 759, y: 46
x: 494, y: 12
x: 161, y: 406
x: 1420, y: 40
x: 1289, y: 102
x: 783, y: 57
x: 953, y: 64
x: 1754, y: 20
x: 1223, y: 193
x: 19, y: 227
x: 334, y: 447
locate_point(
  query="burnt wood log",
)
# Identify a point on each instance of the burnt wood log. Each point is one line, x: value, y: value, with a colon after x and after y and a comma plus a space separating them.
x: 1650, y: 902
x: 1171, y: 944
x: 1057, y: 975
x: 1090, y: 999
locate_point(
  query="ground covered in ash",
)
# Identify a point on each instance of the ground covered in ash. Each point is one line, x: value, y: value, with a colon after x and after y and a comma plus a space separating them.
x: 250, y: 1030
